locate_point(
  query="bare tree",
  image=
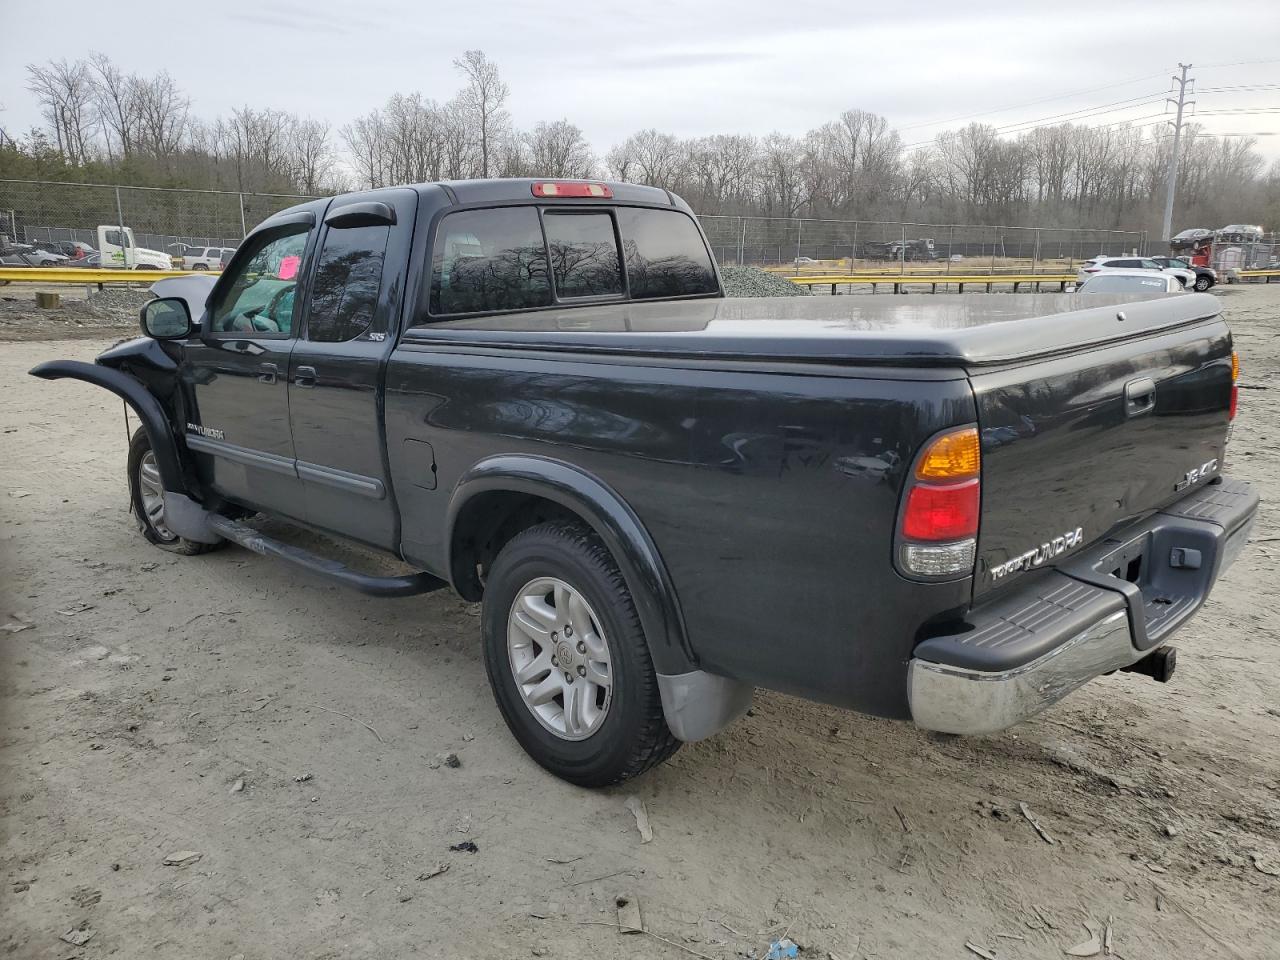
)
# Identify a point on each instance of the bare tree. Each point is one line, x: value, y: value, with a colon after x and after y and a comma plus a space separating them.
x: 65, y: 93
x: 559, y: 149
x: 483, y: 98
x: 115, y: 97
x: 163, y: 114
x: 313, y: 158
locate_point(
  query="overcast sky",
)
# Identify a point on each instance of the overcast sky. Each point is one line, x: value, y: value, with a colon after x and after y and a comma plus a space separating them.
x: 688, y: 68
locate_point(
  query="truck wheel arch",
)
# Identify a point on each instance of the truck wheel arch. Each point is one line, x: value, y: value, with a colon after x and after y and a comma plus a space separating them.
x: 508, y: 487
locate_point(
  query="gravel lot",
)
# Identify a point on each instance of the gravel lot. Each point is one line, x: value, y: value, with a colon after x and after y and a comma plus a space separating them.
x: 286, y: 732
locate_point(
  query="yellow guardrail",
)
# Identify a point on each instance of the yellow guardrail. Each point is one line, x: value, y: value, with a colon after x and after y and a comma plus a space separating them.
x: 1268, y: 274
x: 898, y: 280
x: 85, y: 275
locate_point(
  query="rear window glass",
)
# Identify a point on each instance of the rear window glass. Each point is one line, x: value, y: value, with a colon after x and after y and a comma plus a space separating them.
x: 489, y: 260
x: 584, y: 254
x: 1113, y: 284
x: 665, y: 254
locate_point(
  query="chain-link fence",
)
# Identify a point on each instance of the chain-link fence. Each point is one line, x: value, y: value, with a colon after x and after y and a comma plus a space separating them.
x: 1239, y: 252
x: 172, y: 222
x: 175, y: 222
x: 807, y: 246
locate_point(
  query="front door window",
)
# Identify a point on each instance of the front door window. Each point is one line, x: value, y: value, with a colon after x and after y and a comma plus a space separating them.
x: 259, y: 298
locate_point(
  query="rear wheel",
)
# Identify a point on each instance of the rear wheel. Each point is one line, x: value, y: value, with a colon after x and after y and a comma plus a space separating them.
x: 567, y: 658
x: 1203, y: 283
x: 146, y: 498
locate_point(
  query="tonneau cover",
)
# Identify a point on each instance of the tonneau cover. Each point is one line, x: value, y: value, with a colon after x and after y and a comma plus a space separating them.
x: 911, y: 329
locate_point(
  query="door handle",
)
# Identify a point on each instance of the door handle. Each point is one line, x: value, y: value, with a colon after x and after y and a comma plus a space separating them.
x: 267, y: 372
x: 304, y: 377
x: 1139, y: 397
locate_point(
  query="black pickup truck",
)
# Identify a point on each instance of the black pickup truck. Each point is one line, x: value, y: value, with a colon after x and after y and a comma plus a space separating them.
x: 948, y: 509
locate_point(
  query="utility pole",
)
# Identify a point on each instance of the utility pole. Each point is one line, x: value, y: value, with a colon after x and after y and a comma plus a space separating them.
x: 1181, y: 103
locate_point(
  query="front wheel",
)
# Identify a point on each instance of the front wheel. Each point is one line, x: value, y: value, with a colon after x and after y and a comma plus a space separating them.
x: 1203, y: 284
x: 567, y: 659
x: 146, y: 498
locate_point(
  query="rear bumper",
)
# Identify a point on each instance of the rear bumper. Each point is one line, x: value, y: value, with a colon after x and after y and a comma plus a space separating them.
x: 1025, y: 651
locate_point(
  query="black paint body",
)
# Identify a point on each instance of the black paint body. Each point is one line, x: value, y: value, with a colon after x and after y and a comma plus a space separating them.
x: 744, y: 460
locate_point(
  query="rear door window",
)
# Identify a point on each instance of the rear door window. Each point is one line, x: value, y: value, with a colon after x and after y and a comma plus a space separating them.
x: 584, y: 254
x: 487, y: 260
x: 665, y: 254
x: 344, y: 296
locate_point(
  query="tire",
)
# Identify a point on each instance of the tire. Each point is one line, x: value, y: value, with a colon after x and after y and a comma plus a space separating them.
x: 143, y: 482
x: 200, y: 266
x: 625, y: 733
x: 1203, y: 283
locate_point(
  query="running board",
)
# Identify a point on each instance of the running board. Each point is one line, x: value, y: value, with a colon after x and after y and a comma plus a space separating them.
x: 251, y: 539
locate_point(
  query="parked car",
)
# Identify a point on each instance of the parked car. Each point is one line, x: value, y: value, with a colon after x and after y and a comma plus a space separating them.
x: 206, y: 258
x: 71, y: 249
x: 535, y: 392
x: 27, y: 255
x: 1205, y: 277
x: 804, y: 261
x: 91, y: 262
x: 1131, y: 281
x: 1100, y: 264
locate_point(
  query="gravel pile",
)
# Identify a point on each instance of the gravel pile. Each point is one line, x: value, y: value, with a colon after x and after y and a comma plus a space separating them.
x: 118, y: 303
x: 751, y: 282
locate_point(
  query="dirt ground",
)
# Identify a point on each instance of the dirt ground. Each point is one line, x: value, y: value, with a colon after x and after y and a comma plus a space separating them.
x: 149, y: 687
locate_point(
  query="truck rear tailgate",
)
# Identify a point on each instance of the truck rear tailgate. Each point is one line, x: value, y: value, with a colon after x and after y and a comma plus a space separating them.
x: 1078, y: 443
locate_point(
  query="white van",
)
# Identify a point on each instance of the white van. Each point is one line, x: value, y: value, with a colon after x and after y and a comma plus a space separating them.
x: 118, y: 248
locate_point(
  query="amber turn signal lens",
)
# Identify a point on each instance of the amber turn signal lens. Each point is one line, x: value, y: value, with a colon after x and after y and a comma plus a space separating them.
x: 953, y: 456
x: 1235, y: 366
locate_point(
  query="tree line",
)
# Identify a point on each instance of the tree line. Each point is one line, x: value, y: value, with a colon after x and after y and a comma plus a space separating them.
x: 103, y: 124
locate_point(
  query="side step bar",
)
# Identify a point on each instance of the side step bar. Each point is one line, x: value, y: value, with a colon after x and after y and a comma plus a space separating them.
x: 251, y: 539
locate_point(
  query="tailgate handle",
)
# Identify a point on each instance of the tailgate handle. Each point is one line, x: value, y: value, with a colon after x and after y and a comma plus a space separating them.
x: 1139, y: 397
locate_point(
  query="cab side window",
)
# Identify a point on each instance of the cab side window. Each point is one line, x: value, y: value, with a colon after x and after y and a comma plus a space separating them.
x: 488, y: 260
x: 259, y: 297
x: 344, y: 296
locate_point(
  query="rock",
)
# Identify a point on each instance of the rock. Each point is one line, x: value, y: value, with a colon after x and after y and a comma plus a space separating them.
x: 629, y: 919
x: 466, y: 846
x: 641, y: 813
x: 19, y: 494
x: 1170, y: 830
x: 303, y: 777
x: 444, y: 760
x: 180, y: 858
x: 435, y: 871
x: 78, y: 936
x: 237, y: 787
x: 94, y: 653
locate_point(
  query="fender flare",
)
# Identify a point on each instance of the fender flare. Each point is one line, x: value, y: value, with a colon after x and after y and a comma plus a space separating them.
x: 146, y: 406
x: 612, y: 520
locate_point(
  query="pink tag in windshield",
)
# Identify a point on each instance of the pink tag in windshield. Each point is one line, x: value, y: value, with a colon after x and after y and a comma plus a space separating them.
x: 289, y: 267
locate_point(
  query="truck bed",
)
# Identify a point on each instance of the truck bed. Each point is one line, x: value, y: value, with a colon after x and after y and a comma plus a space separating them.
x: 906, y: 330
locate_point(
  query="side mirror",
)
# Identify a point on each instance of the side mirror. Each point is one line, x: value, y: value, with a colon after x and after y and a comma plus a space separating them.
x: 166, y: 318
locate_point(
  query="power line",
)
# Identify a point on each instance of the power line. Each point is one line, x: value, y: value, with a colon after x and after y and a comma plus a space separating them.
x: 1030, y: 103
x: 1085, y: 113
x: 1237, y: 63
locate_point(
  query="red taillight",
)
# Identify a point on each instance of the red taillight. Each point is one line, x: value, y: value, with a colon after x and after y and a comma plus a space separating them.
x: 1092, y: 269
x: 561, y: 188
x: 938, y: 512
